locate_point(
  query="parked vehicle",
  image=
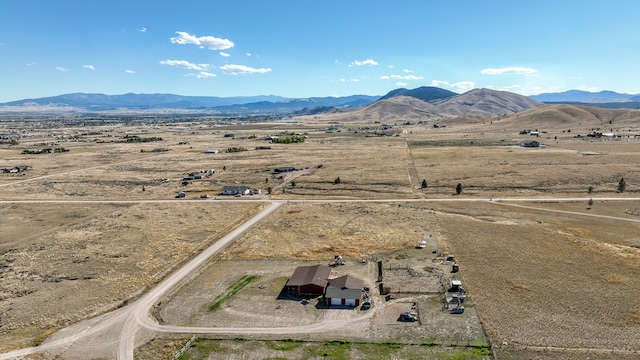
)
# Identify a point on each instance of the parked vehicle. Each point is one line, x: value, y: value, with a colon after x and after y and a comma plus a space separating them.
x: 408, y: 316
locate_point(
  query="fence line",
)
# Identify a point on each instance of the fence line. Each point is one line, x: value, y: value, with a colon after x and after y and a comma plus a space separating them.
x: 185, y: 347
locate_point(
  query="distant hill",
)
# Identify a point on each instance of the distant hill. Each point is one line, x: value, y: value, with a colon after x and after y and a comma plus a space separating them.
x: 424, y: 93
x: 478, y: 102
x: 579, y: 96
x: 567, y: 117
x: 237, y: 105
x: 486, y: 102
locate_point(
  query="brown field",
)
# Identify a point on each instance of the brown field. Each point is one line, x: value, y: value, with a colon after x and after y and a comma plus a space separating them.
x: 60, y: 263
x: 542, y: 277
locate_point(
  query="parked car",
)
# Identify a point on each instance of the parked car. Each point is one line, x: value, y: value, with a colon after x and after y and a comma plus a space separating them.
x: 408, y: 316
x: 366, y: 305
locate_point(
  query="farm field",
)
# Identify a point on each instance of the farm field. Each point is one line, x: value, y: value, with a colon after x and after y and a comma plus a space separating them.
x: 88, y: 230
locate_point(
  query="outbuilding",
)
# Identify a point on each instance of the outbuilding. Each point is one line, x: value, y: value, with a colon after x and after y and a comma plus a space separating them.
x: 344, y: 291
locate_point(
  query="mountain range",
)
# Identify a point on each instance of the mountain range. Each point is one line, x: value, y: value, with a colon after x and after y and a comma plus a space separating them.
x: 424, y: 101
x: 587, y: 97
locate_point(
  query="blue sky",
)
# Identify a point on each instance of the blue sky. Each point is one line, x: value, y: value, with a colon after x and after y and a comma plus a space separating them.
x: 316, y: 48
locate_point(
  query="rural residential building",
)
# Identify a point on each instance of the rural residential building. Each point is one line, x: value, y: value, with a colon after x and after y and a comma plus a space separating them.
x: 530, y: 143
x: 308, y: 280
x: 235, y: 190
x: 344, y: 291
x: 284, y: 169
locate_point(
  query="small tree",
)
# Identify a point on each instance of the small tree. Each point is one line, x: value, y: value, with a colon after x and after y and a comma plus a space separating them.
x: 266, y: 180
x: 337, y: 180
x: 458, y: 189
x: 590, y: 190
x: 424, y: 183
x: 590, y: 203
x: 622, y: 185
x: 224, y: 168
x: 293, y: 184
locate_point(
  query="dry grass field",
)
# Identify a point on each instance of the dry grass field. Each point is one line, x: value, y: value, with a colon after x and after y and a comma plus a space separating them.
x: 544, y: 278
x: 60, y: 263
x: 538, y: 278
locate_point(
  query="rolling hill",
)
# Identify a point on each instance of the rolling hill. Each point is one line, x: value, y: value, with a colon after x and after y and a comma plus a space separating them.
x: 478, y: 102
x: 424, y: 93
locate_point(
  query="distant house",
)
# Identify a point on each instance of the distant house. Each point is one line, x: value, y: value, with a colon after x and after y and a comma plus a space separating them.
x: 308, y: 280
x: 228, y: 135
x: 17, y: 169
x: 235, y: 190
x: 212, y: 151
x: 284, y: 169
x: 530, y: 144
x: 345, y: 290
x: 263, y: 147
x: 159, y: 149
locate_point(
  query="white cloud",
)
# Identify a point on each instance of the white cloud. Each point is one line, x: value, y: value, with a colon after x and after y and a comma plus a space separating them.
x: 248, y: 54
x: 88, y: 67
x: 370, y: 62
x: 144, y: 29
x: 509, y: 70
x: 401, y: 77
x: 224, y: 54
x: 407, y: 71
x: 205, y: 74
x: 439, y: 83
x: 460, y: 87
x: 61, y: 69
x: 463, y: 86
x: 401, y: 83
x: 130, y: 71
x: 242, y: 69
x: 31, y: 64
x: 349, y: 80
x: 186, y: 65
x: 209, y: 42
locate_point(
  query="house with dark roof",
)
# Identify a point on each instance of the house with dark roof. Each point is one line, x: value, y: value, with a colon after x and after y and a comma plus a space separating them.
x: 530, y: 143
x: 308, y: 280
x: 344, y: 291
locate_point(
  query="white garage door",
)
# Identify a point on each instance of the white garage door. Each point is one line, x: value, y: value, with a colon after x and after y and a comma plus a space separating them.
x: 335, y: 301
x: 350, y: 302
